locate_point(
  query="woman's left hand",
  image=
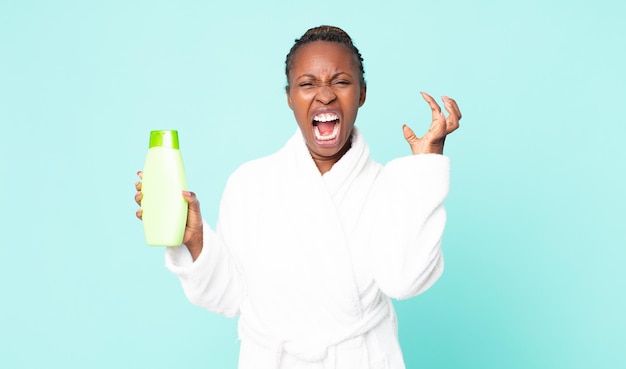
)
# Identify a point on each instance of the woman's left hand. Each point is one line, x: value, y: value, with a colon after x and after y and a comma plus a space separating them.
x: 432, y: 142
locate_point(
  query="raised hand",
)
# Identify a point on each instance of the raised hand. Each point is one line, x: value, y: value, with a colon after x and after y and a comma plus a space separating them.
x: 432, y: 142
x: 193, y: 237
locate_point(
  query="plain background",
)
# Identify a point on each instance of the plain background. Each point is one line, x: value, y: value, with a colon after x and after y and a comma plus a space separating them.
x: 535, y: 244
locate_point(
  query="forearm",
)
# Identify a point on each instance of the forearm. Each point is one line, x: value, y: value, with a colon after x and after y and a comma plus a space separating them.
x: 210, y: 279
x: 406, y: 242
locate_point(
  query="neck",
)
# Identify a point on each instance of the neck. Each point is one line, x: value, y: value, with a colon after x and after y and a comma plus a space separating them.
x: 325, y: 164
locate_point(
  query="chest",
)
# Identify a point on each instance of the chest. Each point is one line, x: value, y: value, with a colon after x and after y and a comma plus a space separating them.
x: 300, y: 233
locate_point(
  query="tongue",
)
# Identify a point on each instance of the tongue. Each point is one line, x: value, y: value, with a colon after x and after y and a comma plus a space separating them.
x: 326, y: 128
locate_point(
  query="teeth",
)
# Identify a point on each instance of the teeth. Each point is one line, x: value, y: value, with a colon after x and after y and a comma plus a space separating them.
x: 325, y: 117
x: 333, y: 135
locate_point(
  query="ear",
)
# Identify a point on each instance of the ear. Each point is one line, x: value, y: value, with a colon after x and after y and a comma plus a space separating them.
x: 289, y: 101
x: 362, y: 95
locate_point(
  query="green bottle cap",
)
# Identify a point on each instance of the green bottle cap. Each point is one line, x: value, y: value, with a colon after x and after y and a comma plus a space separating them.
x: 164, y: 138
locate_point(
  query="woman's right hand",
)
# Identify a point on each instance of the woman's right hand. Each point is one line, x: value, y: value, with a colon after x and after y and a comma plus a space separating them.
x: 193, y: 237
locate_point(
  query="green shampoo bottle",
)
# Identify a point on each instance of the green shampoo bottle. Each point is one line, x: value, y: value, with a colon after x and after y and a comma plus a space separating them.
x: 164, y: 208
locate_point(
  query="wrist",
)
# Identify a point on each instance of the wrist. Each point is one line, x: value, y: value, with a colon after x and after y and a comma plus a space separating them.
x: 195, y: 242
x: 430, y: 149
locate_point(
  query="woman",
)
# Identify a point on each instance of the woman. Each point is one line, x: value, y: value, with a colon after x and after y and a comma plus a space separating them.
x: 314, y: 240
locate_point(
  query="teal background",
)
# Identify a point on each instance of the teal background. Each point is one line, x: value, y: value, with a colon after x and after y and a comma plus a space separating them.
x: 535, y: 244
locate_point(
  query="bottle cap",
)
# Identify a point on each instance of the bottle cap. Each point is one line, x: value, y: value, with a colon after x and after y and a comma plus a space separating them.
x: 164, y: 138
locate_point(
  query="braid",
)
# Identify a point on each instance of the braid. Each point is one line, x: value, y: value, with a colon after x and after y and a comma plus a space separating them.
x: 325, y: 33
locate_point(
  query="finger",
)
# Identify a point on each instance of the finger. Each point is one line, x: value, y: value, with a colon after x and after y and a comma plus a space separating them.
x: 190, y: 197
x: 140, y: 174
x: 434, y: 107
x: 411, y: 138
x: 138, y: 198
x: 139, y: 214
x: 193, y: 229
x: 138, y: 186
x: 452, y: 122
x: 194, y: 219
x: 454, y: 107
x: 194, y: 204
x: 409, y: 135
x: 438, y: 125
x: 437, y: 130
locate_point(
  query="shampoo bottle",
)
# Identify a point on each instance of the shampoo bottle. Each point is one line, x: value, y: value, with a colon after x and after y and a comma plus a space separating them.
x: 164, y: 208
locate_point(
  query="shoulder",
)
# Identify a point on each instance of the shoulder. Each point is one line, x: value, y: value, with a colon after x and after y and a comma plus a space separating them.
x: 419, y: 164
x: 429, y: 173
x: 257, y: 168
x: 256, y: 174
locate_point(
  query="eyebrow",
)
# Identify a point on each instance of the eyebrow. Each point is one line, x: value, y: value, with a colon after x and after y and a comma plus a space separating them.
x: 314, y: 77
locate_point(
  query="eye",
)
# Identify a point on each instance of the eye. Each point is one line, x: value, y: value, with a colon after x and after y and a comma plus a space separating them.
x: 342, y: 82
x: 305, y: 84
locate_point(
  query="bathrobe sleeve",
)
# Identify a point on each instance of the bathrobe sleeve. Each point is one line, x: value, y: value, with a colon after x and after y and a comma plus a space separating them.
x: 214, y: 281
x: 409, y: 224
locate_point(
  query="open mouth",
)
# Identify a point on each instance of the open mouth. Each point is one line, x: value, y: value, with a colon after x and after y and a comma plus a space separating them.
x: 326, y: 128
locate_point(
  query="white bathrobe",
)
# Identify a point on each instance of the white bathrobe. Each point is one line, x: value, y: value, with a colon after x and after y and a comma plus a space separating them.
x: 309, y: 262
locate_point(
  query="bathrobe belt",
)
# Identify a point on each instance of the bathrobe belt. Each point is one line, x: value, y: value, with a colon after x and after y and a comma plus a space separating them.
x: 317, y: 351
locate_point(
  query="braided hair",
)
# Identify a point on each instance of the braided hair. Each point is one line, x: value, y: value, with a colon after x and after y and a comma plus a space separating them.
x: 325, y: 33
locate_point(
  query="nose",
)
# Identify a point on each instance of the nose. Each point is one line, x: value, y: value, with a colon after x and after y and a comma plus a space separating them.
x: 325, y: 95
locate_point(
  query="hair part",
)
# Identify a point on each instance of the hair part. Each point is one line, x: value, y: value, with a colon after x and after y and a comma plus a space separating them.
x: 325, y: 33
